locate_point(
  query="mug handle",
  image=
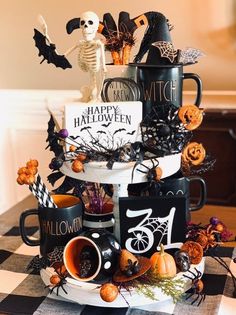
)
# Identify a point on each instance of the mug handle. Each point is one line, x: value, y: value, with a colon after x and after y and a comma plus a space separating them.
x: 25, y: 237
x: 198, y: 81
x: 203, y: 193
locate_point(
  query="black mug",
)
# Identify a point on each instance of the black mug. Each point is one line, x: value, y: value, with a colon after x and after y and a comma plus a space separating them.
x: 163, y: 85
x: 57, y: 225
x: 173, y: 186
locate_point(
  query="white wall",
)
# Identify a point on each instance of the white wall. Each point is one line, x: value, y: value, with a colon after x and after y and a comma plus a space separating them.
x: 23, y: 128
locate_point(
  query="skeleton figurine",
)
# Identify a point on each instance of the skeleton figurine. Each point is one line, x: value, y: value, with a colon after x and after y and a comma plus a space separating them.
x: 91, y: 55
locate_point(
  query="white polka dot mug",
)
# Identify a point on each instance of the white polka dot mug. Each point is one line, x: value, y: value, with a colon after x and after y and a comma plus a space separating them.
x: 93, y: 255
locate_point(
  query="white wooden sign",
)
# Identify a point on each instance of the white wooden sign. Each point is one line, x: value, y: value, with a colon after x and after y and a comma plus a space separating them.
x: 104, y: 125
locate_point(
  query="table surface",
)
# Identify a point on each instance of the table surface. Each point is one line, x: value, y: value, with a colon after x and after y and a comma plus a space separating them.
x: 22, y: 292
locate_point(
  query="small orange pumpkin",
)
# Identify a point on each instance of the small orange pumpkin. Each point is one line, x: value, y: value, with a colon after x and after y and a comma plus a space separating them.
x: 163, y: 265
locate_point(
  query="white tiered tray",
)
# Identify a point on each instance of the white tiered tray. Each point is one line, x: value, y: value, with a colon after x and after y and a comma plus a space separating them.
x: 121, y: 173
x: 88, y: 292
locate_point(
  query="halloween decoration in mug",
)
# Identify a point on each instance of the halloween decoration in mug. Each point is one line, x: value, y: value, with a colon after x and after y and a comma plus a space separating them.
x: 149, y: 221
x: 92, y: 255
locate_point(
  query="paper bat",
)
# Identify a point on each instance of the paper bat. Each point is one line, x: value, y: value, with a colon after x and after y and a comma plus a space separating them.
x: 131, y: 133
x: 119, y: 130
x: 53, y: 177
x: 106, y: 125
x: 70, y: 184
x: 52, y: 138
x: 49, y: 51
x: 85, y: 128
x: 100, y: 131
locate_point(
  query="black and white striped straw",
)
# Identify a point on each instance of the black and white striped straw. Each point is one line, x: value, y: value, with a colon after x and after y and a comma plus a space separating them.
x: 41, y: 192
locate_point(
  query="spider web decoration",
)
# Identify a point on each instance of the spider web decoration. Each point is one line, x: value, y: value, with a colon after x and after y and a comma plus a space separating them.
x: 141, y: 240
x: 56, y: 255
x: 38, y: 263
x: 190, y: 55
x: 167, y: 50
x: 162, y: 131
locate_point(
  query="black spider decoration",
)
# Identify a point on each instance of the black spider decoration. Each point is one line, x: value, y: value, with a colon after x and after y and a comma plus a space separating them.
x: 153, y: 179
x: 162, y: 131
x: 197, y: 287
x: 58, y: 280
x: 132, y: 268
x: 154, y: 173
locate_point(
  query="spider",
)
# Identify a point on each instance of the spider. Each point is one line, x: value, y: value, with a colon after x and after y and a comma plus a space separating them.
x: 132, y: 268
x: 58, y: 280
x: 154, y: 173
x: 207, y: 238
x: 197, y: 287
x: 162, y: 132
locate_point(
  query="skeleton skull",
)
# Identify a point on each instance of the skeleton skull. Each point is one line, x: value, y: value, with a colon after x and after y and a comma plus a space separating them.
x: 182, y: 260
x: 89, y: 23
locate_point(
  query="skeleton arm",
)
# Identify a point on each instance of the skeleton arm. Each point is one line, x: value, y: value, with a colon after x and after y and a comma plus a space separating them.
x: 70, y: 50
x: 103, y: 61
x: 44, y: 27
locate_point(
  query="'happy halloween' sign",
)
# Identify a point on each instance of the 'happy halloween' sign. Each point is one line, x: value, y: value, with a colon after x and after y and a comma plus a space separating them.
x: 109, y: 124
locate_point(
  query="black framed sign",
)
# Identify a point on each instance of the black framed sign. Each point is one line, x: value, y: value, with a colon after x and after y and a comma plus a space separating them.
x: 146, y: 222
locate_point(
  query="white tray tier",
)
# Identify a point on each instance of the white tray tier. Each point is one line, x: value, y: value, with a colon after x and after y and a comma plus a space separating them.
x: 88, y: 292
x: 121, y: 173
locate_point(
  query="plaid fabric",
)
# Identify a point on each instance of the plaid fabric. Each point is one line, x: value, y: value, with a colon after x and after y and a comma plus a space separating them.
x: 24, y: 293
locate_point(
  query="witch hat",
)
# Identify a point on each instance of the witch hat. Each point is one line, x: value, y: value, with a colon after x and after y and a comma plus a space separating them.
x: 160, y: 34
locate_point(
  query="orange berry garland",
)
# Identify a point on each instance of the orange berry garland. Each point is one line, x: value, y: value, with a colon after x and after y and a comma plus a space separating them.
x: 26, y: 174
x: 72, y: 148
x: 77, y: 166
x: 109, y: 292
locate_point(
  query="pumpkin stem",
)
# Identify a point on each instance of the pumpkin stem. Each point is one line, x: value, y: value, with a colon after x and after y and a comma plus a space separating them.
x: 162, y: 249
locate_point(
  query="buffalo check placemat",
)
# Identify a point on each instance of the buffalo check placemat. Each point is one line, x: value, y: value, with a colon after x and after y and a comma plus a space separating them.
x: 24, y: 293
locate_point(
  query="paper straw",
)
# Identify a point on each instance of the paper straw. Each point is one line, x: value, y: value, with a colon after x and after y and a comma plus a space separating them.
x: 40, y: 191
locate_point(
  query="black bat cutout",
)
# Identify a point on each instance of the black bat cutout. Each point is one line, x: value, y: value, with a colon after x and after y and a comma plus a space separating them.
x: 74, y: 137
x: 119, y: 130
x: 68, y: 184
x: 54, y: 177
x: 106, y: 125
x: 49, y: 51
x: 85, y: 128
x: 131, y: 133
x: 100, y: 131
x: 52, y: 138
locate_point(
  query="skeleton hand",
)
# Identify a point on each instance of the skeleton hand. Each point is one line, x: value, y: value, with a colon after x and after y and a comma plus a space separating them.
x: 43, y: 25
x: 104, y: 68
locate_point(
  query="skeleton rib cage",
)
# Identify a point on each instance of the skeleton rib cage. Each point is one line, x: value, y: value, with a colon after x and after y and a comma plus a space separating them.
x: 88, y: 56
